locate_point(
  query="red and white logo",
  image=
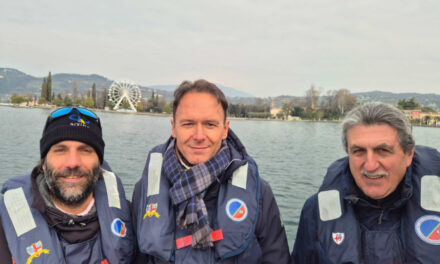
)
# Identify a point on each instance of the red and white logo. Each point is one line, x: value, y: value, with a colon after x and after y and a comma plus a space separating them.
x: 338, y: 238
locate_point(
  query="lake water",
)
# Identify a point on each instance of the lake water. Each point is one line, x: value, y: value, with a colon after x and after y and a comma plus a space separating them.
x: 292, y: 156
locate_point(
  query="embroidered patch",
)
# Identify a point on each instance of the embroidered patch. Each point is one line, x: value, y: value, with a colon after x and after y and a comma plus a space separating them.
x: 236, y: 210
x: 35, y: 250
x: 338, y: 238
x: 151, y: 210
x: 118, y: 228
x: 428, y: 229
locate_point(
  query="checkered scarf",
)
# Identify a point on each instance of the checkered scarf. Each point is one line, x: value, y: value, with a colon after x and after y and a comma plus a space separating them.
x: 187, y: 188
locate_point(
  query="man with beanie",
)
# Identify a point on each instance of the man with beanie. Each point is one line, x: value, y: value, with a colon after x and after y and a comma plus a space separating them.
x: 69, y: 209
x: 201, y: 198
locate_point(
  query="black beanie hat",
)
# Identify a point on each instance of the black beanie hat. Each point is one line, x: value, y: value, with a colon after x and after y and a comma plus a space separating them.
x: 73, y: 125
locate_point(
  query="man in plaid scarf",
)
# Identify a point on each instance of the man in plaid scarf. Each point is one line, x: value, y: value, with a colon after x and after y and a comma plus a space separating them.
x: 200, y: 198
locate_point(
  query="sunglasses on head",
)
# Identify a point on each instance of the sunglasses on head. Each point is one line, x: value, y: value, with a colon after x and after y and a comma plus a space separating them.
x: 75, y: 110
x: 75, y: 114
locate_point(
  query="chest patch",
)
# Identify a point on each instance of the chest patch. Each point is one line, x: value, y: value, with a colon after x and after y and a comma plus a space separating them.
x: 338, y: 238
x: 428, y: 229
x: 35, y: 250
x: 118, y: 228
x: 236, y: 210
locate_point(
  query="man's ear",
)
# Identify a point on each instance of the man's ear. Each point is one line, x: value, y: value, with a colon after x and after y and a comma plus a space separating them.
x: 226, y: 129
x: 173, y: 131
x: 410, y: 157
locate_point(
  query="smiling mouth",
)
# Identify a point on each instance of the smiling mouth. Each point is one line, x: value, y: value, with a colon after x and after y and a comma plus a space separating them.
x: 374, y: 176
x: 72, y: 178
x: 199, y: 148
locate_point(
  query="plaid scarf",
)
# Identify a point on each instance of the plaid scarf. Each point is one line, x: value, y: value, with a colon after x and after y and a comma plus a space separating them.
x: 187, y: 188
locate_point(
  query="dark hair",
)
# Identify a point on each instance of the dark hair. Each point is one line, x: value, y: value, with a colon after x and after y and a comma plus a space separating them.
x: 199, y: 86
x: 380, y: 113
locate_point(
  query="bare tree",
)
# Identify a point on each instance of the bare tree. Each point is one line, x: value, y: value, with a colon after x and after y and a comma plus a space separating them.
x: 344, y: 100
x: 75, y: 90
x: 312, y: 97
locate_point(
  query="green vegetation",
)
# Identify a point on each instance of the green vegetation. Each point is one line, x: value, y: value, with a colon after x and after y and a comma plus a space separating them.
x: 18, y: 99
x: 94, y: 94
x: 410, y: 104
x: 249, y: 111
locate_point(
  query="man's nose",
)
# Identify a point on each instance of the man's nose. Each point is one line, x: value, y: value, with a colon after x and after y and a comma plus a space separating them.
x: 73, y: 160
x: 199, y: 134
x: 371, y: 162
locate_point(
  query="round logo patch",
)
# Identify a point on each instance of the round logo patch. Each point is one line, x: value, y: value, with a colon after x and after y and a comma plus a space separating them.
x: 236, y: 210
x: 428, y: 229
x: 118, y: 228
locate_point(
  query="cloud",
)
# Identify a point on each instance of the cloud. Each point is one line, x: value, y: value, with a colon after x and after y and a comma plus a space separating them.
x: 264, y: 48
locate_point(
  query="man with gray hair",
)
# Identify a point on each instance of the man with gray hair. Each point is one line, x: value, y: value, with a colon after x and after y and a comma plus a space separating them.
x: 381, y: 204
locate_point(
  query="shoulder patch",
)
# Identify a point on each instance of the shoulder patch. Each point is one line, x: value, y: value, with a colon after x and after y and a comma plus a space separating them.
x: 430, y: 193
x: 329, y: 205
x: 19, y: 211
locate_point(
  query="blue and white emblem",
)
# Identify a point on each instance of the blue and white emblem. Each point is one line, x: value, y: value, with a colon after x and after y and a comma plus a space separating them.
x: 118, y: 228
x: 236, y: 210
x: 428, y: 229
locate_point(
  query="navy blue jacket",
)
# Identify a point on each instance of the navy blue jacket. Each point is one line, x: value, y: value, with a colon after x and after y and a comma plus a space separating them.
x: 404, y: 227
x: 269, y: 232
x: 55, y: 237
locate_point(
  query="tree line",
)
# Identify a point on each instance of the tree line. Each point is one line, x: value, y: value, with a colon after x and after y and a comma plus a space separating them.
x: 312, y: 106
x: 315, y: 105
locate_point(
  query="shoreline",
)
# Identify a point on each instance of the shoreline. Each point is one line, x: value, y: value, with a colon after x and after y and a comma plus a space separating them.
x: 170, y: 115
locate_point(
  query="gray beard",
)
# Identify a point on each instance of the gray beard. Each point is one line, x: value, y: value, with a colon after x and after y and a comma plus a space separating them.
x: 57, y: 191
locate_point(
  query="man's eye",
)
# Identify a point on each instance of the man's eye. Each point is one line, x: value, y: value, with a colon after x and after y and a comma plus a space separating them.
x: 58, y: 150
x: 357, y: 151
x: 86, y: 150
x: 384, y: 150
x: 187, y: 124
x: 211, y: 125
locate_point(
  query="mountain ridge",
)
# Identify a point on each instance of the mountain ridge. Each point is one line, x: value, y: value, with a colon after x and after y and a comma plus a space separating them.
x: 15, y: 81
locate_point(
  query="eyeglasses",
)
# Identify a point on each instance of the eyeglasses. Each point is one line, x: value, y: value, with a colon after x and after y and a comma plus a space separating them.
x: 67, y: 110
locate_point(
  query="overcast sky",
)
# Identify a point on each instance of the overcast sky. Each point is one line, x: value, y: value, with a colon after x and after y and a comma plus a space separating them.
x: 265, y: 48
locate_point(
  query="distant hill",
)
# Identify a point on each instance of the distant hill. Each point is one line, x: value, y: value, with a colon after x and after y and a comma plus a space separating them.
x: 229, y: 92
x: 14, y: 81
x: 432, y: 100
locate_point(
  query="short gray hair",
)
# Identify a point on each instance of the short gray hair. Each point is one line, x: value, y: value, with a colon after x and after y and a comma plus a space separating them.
x: 379, y: 113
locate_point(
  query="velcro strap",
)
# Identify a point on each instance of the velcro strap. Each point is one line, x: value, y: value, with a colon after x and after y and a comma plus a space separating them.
x: 182, y: 242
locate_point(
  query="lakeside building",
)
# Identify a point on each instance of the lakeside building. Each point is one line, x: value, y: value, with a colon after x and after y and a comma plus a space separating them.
x: 427, y: 118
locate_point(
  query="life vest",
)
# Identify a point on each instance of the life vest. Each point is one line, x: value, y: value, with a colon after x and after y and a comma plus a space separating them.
x: 31, y: 240
x: 236, y: 214
x: 417, y: 238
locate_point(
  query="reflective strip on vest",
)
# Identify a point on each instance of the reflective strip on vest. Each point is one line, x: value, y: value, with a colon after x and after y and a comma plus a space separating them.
x: 329, y: 205
x: 112, y: 189
x: 185, y: 241
x: 19, y: 211
x: 154, y: 172
x: 239, y: 177
x: 430, y: 193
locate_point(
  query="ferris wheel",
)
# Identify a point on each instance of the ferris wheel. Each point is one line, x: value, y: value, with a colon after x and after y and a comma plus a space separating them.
x: 124, y: 90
